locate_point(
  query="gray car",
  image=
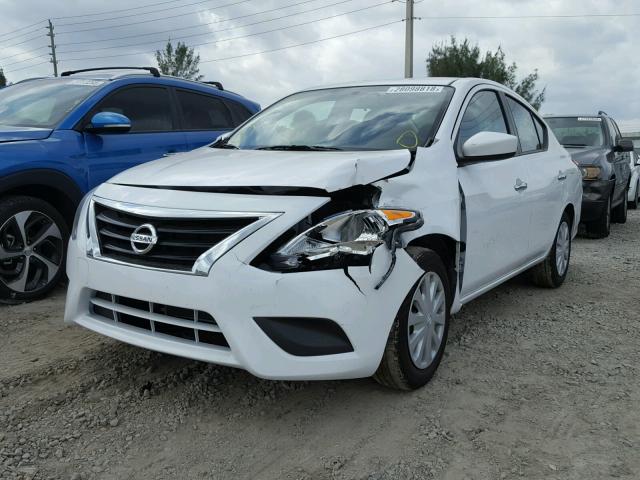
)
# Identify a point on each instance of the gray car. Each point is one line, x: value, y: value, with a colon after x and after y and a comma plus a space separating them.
x: 596, y: 145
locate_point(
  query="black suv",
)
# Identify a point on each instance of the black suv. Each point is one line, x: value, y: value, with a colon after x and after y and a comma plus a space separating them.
x: 596, y: 145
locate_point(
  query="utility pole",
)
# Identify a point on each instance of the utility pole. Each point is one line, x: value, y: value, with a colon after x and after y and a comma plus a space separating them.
x: 408, y: 45
x: 53, y: 60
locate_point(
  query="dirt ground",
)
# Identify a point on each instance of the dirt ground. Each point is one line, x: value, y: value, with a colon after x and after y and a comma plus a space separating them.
x: 536, y: 384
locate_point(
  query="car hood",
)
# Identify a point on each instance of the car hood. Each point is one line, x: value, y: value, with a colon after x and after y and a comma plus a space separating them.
x: 16, y: 134
x: 587, y: 155
x: 210, y: 167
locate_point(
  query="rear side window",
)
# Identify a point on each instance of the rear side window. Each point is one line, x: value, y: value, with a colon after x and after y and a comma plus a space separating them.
x: 148, y: 108
x: 203, y: 112
x: 527, y: 133
x: 239, y: 112
x: 483, y: 114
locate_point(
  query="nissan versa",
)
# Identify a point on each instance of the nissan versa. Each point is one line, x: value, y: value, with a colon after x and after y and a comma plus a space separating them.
x: 332, y: 235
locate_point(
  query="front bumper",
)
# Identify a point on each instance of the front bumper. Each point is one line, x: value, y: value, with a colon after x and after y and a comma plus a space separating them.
x: 235, y: 293
x: 595, y: 194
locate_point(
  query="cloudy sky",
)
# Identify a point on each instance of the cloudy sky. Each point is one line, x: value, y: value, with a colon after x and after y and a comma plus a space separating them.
x: 587, y: 64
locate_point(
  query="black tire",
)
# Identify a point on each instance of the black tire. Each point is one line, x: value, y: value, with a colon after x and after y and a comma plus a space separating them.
x: 397, y: 369
x: 633, y: 204
x: 601, y: 227
x: 546, y: 274
x: 43, y: 244
x: 619, y: 213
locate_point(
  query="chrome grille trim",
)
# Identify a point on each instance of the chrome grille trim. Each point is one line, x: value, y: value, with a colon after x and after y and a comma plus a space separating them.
x: 204, y: 262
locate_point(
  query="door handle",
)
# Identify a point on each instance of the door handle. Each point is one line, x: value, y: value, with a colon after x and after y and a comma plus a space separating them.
x: 520, y: 185
x: 562, y: 176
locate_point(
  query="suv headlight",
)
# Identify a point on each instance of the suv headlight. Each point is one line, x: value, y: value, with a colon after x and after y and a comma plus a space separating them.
x: 590, y: 172
x: 344, y: 239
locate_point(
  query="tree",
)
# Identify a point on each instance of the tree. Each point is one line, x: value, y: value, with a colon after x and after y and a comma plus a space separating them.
x: 3, y: 79
x: 181, y: 62
x: 464, y: 60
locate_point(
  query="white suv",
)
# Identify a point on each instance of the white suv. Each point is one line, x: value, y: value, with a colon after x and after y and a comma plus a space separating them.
x: 332, y: 235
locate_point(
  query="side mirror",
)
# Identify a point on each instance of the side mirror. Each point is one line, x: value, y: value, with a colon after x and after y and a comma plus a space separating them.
x: 109, y: 122
x: 625, y: 145
x: 490, y: 146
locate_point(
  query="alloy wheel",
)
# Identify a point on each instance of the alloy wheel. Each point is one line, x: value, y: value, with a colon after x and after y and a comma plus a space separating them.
x: 31, y: 249
x: 563, y: 248
x: 427, y: 317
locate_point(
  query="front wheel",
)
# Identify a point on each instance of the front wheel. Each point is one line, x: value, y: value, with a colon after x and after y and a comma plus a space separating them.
x: 418, y: 335
x: 601, y: 227
x: 619, y: 213
x: 33, y: 239
x: 633, y: 204
x: 553, y: 270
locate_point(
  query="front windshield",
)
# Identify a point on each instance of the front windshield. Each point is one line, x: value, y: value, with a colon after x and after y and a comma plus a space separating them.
x: 578, y: 131
x: 42, y: 103
x: 352, y: 118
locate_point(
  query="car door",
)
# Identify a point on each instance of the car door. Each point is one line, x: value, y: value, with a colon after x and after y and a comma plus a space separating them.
x: 620, y: 164
x: 204, y: 117
x: 154, y: 131
x: 545, y: 173
x: 497, y: 218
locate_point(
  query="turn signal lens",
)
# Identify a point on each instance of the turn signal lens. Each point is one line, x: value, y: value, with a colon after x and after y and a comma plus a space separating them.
x: 398, y: 216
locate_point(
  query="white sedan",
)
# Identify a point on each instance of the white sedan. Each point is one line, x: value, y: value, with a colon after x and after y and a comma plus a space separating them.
x: 333, y: 234
x: 634, y: 181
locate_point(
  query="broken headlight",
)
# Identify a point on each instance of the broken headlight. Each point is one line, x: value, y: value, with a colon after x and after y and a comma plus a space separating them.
x: 344, y: 239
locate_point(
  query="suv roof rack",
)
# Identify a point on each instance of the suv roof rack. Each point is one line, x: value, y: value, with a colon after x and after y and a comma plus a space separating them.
x: 602, y: 112
x: 217, y: 84
x: 152, y: 70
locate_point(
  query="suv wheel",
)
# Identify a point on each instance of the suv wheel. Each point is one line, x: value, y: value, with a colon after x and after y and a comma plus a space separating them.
x: 619, y: 213
x: 33, y: 239
x: 601, y: 227
x: 418, y: 336
x: 633, y: 204
x: 553, y: 270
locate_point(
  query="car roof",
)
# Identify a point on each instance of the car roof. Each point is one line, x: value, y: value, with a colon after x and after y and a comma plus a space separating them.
x: 572, y: 115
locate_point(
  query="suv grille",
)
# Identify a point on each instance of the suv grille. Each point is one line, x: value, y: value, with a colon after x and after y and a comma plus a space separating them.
x: 184, y: 323
x: 180, y: 240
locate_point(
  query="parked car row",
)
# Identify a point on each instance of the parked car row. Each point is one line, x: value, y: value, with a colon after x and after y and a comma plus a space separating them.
x: 330, y: 236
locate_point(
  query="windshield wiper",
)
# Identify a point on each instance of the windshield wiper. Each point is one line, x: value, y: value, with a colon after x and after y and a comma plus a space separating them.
x: 223, y: 144
x: 300, y: 148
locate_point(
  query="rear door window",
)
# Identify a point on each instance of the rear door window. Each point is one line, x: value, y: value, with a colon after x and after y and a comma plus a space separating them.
x: 148, y: 108
x: 483, y: 114
x: 203, y: 112
x: 527, y: 132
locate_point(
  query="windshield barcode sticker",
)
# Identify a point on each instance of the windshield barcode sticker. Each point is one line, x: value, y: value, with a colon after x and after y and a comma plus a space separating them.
x: 415, y: 89
x: 589, y: 119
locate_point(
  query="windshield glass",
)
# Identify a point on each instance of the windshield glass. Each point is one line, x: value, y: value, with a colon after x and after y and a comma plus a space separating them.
x: 352, y: 118
x: 42, y: 103
x: 578, y: 131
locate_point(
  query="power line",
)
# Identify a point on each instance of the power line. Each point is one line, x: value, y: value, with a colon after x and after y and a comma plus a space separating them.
x: 28, y: 66
x: 227, y: 29
x: 21, y: 28
x: 27, y: 59
x: 302, y: 44
x: 154, y: 19
x: 22, y: 53
x: 116, y: 11
x: 524, y: 17
x: 23, y: 42
x: 189, y: 27
x: 237, y: 37
x: 21, y: 35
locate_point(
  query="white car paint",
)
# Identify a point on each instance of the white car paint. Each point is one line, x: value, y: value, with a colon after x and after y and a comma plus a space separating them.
x: 499, y: 232
x: 634, y: 180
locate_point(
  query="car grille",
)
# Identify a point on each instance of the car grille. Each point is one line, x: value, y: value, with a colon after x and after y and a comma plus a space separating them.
x: 181, y: 241
x: 158, y: 319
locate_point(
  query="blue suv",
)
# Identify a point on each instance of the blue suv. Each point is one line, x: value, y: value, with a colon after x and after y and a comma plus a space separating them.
x: 60, y: 137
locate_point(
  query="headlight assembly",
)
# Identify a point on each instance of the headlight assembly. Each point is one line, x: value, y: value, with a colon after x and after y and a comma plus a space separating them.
x: 82, y: 207
x: 344, y: 239
x: 590, y: 172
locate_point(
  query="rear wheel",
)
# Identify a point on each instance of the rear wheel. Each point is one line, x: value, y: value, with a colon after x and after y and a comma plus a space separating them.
x: 633, y: 204
x: 33, y: 239
x: 601, y: 227
x: 619, y: 213
x: 553, y: 270
x: 418, y: 336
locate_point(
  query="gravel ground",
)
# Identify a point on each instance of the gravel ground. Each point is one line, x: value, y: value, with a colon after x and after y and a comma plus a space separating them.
x: 536, y: 384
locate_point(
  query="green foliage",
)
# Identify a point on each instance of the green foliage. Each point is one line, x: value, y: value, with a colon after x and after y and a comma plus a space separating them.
x: 456, y: 59
x: 179, y: 62
x: 3, y: 79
